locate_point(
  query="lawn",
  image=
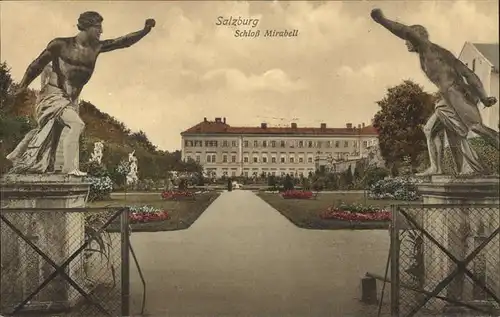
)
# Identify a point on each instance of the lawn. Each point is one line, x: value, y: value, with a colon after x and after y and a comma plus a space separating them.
x: 183, y: 213
x: 304, y: 213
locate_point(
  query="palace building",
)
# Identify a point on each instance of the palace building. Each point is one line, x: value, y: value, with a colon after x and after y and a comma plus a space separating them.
x: 224, y: 150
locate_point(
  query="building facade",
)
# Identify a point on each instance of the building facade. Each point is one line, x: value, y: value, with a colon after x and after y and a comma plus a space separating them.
x: 483, y: 59
x: 224, y: 150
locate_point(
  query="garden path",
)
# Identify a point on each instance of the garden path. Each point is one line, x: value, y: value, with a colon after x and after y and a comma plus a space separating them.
x: 243, y: 258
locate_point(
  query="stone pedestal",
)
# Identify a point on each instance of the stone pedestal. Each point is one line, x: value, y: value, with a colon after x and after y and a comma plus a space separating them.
x: 460, y: 228
x: 56, y: 233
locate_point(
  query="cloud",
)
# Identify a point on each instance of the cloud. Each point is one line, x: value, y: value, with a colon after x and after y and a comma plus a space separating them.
x: 271, y: 80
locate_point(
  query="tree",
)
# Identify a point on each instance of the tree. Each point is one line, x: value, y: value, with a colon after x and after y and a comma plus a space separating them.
x: 403, y: 112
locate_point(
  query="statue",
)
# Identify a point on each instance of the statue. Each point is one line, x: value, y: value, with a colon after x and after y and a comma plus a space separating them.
x: 457, y: 112
x: 66, y: 65
x: 132, y: 173
x: 97, y: 154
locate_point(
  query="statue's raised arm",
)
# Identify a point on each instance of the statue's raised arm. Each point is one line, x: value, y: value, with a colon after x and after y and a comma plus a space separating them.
x: 127, y: 40
x: 411, y: 34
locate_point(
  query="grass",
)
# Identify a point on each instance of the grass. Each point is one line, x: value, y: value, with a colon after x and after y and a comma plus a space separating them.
x: 183, y: 213
x: 304, y: 213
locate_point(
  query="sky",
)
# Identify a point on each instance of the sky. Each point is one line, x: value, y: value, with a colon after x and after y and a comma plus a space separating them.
x: 335, y: 69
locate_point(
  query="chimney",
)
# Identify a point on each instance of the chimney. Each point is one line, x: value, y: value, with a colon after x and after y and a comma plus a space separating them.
x: 205, y: 119
x: 323, y: 126
x: 348, y: 125
x: 217, y: 120
x: 224, y: 120
x: 263, y: 125
x: 294, y: 125
x: 363, y: 125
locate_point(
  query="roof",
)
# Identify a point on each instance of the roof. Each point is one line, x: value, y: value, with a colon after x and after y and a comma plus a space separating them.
x: 212, y: 127
x: 490, y: 52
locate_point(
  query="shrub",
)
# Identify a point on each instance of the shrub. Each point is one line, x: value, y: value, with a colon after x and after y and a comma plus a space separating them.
x: 288, y: 183
x: 398, y: 188
x: 100, y: 187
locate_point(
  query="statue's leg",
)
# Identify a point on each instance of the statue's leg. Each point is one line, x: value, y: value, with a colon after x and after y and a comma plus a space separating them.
x: 74, y: 125
x: 434, y: 131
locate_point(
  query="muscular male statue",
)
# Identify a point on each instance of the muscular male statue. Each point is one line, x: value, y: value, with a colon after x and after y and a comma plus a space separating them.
x: 457, y: 112
x: 66, y: 65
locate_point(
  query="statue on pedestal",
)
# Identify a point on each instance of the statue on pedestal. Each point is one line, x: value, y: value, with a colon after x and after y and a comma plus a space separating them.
x: 132, y: 174
x: 457, y: 112
x: 65, y: 66
x: 97, y: 154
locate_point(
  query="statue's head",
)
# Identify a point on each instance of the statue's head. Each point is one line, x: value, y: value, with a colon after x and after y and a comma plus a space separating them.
x: 421, y: 32
x: 91, y: 23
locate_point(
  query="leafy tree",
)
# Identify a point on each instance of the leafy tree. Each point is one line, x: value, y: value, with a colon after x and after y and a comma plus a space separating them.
x: 403, y: 111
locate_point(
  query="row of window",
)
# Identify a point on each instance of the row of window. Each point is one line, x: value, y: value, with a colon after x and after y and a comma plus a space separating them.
x: 263, y: 173
x: 273, y: 144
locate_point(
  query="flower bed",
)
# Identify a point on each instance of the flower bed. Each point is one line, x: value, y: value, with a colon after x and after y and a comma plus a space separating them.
x: 356, y: 213
x: 297, y: 194
x: 176, y: 195
x: 147, y: 214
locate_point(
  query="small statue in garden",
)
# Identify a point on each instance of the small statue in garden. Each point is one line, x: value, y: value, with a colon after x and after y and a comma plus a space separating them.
x: 457, y: 112
x: 97, y: 154
x: 132, y: 174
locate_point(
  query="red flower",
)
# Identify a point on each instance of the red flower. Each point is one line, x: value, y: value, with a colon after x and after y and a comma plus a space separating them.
x: 297, y: 194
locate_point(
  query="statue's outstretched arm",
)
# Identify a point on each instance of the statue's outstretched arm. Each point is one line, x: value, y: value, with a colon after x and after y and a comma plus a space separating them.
x: 127, y: 40
x: 402, y: 31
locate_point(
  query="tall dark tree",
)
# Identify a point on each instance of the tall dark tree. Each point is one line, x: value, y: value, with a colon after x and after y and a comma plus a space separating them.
x: 403, y: 112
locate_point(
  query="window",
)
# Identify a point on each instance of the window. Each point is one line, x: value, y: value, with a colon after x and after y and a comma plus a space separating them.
x: 188, y: 143
x: 245, y: 159
x: 213, y: 158
x: 233, y: 158
x: 225, y: 143
x: 209, y: 158
x: 273, y: 143
x: 233, y: 173
x: 292, y: 159
x: 224, y: 158
x: 310, y: 144
x: 301, y: 160
x: 198, y: 158
x: 255, y: 143
x: 234, y: 143
x: 245, y: 143
x: 319, y: 143
x: 245, y: 173
x: 328, y: 143
x: 309, y: 159
x: 301, y: 143
x: 346, y: 143
x: 337, y: 143
x: 282, y: 159
x: 273, y: 159
x: 264, y: 143
x: 187, y: 157
x: 355, y: 144
x: 365, y: 143
x: 282, y: 143
x: 256, y: 159
x: 264, y: 159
